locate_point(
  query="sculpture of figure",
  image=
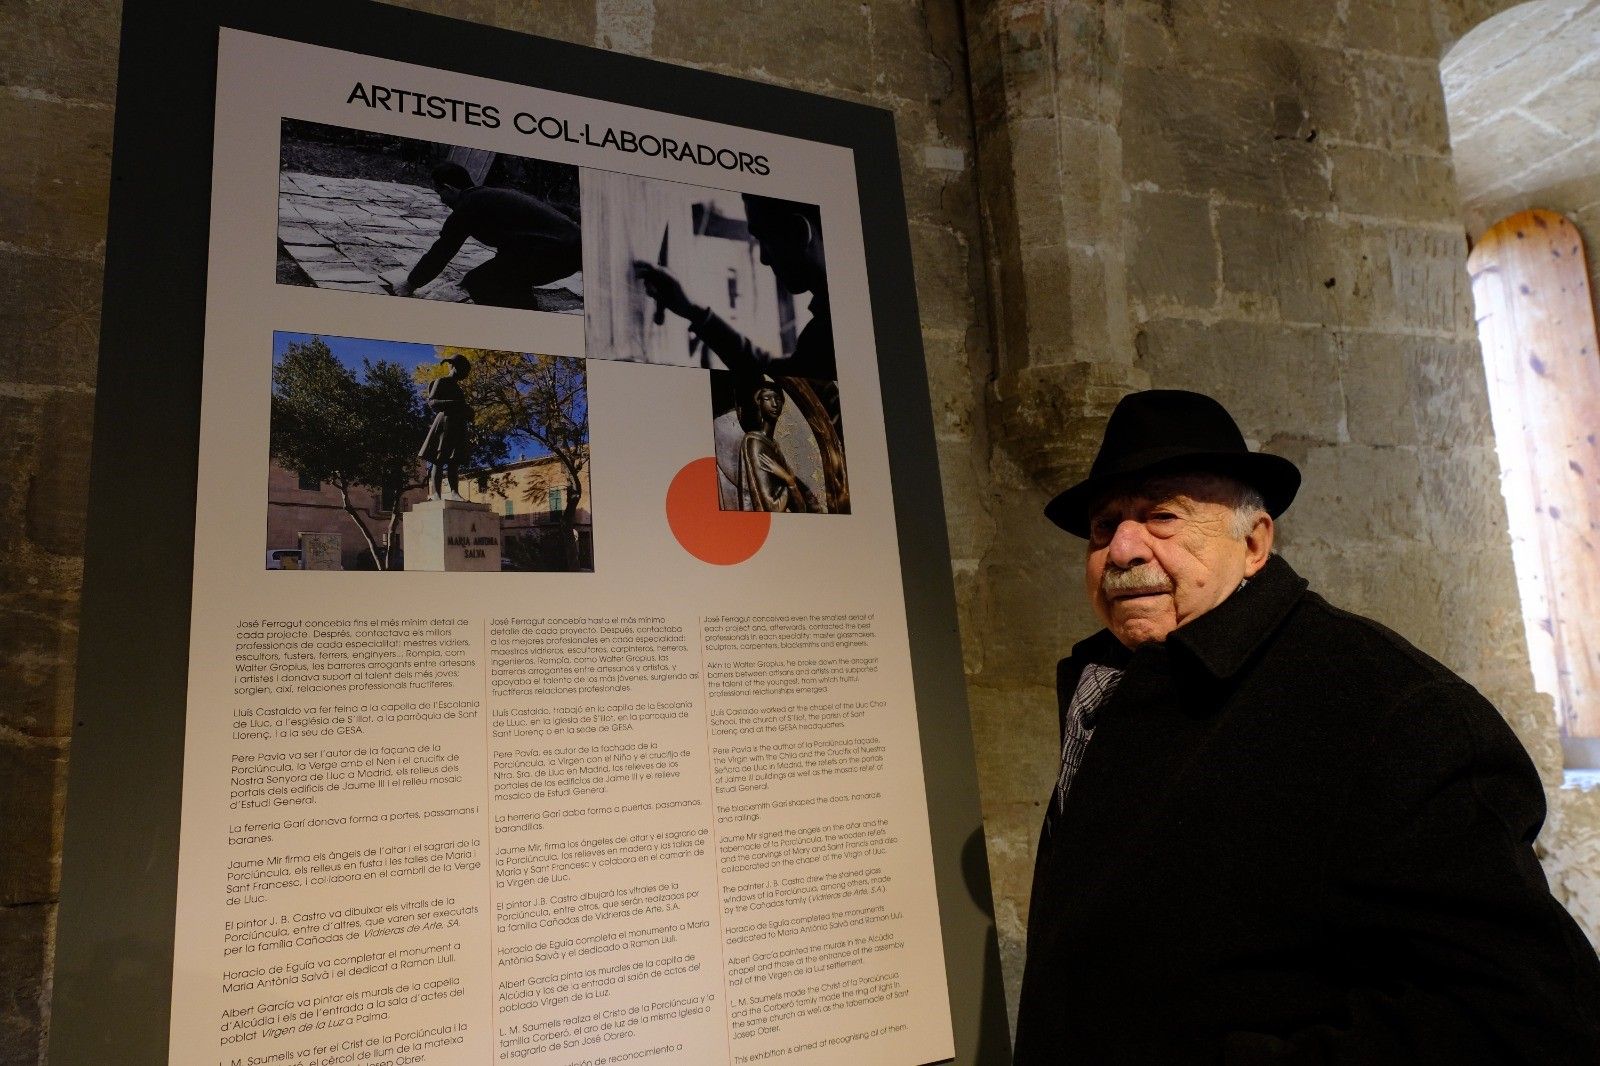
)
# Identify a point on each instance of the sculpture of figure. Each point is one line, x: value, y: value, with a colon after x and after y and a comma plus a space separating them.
x: 446, y: 444
x: 766, y: 481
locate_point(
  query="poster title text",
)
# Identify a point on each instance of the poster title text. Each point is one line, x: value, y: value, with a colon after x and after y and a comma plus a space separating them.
x: 554, y: 128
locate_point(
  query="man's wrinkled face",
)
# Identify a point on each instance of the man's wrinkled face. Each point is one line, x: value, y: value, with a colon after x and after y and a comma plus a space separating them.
x: 1165, y: 552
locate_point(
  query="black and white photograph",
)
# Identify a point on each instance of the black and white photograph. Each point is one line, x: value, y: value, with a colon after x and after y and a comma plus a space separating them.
x: 779, y: 445
x: 691, y: 276
x: 371, y: 212
x: 391, y: 455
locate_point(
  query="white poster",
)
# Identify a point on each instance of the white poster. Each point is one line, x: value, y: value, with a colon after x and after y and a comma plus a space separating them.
x: 550, y: 696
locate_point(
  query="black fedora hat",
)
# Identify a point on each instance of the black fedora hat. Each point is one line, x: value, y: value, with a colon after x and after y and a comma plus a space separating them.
x: 1169, y: 431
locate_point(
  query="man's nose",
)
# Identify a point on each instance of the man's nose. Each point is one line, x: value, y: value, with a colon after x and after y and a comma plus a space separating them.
x: 1129, y: 546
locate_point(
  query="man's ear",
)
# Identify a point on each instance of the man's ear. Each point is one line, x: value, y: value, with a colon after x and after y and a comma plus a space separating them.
x: 800, y: 229
x: 1258, y: 544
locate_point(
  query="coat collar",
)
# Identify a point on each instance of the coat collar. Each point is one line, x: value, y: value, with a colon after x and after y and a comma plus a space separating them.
x: 1223, y: 639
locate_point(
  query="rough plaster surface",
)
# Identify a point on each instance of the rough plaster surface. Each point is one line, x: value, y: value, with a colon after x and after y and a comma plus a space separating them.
x: 1251, y: 196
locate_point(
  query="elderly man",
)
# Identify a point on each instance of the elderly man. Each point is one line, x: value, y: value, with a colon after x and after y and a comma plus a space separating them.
x: 1281, y: 834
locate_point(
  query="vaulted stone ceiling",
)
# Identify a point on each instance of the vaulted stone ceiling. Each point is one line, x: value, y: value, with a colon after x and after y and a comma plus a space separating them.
x: 1523, y: 93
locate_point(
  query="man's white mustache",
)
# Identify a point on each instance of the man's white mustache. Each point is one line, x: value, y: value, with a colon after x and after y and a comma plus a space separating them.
x: 1144, y: 578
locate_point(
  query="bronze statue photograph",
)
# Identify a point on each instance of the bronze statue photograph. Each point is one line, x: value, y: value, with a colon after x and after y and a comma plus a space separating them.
x: 766, y: 480
x: 447, y: 443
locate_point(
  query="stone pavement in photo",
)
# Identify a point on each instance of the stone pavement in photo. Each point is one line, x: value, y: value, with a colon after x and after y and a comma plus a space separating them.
x: 361, y: 235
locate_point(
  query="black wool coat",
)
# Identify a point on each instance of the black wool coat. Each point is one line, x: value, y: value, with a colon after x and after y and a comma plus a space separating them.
x: 1296, y: 839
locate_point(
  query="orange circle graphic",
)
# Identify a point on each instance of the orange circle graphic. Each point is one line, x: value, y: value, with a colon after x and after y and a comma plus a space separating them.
x: 705, y: 530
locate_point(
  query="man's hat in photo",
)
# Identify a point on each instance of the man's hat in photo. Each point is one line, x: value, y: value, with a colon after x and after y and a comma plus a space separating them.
x: 1168, y: 431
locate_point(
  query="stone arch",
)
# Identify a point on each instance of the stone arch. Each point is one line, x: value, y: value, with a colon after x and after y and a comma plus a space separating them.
x: 1521, y: 89
x: 1454, y: 19
x: 1521, y: 86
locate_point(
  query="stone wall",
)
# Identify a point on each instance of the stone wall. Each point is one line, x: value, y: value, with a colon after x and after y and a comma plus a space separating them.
x: 1248, y: 196
x: 57, y: 70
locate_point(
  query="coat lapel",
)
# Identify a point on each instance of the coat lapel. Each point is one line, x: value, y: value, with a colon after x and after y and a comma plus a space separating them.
x: 1158, y: 722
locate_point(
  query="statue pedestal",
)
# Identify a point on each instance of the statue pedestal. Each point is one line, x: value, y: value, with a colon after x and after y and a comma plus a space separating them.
x: 452, y: 536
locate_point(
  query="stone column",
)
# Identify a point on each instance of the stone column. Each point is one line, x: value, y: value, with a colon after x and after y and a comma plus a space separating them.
x: 1047, y: 99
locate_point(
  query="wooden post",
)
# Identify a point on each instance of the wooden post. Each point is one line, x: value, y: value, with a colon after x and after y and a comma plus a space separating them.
x: 1536, y: 323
